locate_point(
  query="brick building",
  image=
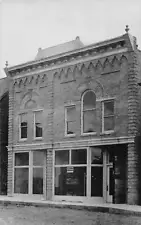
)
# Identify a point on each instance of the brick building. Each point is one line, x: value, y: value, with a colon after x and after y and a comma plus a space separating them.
x: 73, y: 119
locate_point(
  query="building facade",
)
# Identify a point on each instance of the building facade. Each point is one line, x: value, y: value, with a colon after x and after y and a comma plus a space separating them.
x: 73, y: 122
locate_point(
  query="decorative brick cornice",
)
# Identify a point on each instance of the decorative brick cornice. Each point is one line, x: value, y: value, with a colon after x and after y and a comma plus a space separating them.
x: 109, y: 64
x: 74, y: 144
x: 69, y: 57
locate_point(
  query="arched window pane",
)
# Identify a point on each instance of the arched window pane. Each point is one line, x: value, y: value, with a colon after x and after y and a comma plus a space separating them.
x: 89, y: 100
x: 89, y: 121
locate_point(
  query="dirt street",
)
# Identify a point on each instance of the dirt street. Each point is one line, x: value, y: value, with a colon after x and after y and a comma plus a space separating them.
x: 28, y: 215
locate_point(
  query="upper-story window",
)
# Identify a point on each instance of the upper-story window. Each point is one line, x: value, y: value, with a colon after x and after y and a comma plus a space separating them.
x: 23, y: 126
x: 70, y: 120
x: 38, y: 130
x: 108, y: 116
x: 88, y: 119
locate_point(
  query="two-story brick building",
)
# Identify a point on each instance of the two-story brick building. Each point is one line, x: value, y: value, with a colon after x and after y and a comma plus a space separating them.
x: 73, y: 118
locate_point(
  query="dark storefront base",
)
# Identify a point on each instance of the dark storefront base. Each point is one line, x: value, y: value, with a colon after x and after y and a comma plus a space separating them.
x: 119, y: 181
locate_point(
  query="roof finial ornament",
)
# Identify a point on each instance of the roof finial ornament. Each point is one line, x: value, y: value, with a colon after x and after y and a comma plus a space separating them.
x: 127, y: 28
x: 6, y: 63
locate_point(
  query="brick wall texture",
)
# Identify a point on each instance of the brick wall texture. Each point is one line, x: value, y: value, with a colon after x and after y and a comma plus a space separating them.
x: 114, y: 76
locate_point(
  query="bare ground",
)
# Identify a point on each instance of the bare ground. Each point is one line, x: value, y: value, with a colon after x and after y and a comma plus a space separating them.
x: 28, y: 215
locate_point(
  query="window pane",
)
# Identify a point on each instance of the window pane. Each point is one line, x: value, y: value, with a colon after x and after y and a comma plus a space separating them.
x: 38, y: 130
x: 37, y: 180
x: 23, y: 117
x: 24, y: 124
x: 79, y: 156
x: 70, y: 127
x: 38, y: 158
x: 96, y: 156
x: 71, y: 112
x: 61, y: 157
x: 38, y: 116
x: 111, y: 181
x: 89, y: 100
x: 97, y: 181
x: 108, y: 108
x: 21, y: 180
x: 109, y: 123
x: 89, y: 121
x: 24, y: 131
x: 22, y: 159
x: 70, y: 182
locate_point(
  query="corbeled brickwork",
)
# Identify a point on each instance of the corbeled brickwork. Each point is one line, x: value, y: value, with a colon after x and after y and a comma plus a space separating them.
x: 10, y: 138
x: 49, y: 173
x: 10, y: 173
x: 132, y: 156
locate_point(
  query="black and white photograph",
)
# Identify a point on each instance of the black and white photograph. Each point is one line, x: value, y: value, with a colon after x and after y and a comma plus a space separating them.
x: 70, y: 112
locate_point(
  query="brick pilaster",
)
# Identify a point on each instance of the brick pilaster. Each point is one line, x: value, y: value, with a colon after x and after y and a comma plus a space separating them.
x: 132, y: 156
x: 49, y: 173
x: 10, y: 138
x: 49, y: 161
x: 51, y: 110
x: 10, y: 172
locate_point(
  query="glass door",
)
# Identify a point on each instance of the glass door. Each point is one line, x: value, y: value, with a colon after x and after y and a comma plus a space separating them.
x: 96, y: 172
x: 110, y: 178
x: 38, y: 172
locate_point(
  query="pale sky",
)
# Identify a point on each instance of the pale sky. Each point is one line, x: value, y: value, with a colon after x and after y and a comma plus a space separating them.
x: 26, y: 25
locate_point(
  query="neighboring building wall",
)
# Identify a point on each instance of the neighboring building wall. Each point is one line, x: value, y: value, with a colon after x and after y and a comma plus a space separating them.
x: 3, y: 135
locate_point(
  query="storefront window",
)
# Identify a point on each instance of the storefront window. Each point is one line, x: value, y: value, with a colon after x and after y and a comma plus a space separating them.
x: 21, y: 180
x: 38, y: 163
x: 38, y: 158
x: 96, y: 156
x: 22, y: 159
x: 79, y: 156
x: 25, y: 168
x: 70, y: 181
x: 62, y: 157
x: 37, y: 180
x: 21, y: 173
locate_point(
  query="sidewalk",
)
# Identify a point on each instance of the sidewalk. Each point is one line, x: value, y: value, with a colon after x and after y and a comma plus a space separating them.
x: 105, y: 207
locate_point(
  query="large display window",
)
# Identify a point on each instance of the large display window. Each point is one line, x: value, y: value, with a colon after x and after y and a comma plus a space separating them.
x: 29, y: 172
x: 79, y: 172
x: 71, y: 172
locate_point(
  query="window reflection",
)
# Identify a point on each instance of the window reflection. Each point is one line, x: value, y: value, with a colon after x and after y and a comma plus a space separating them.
x: 70, y: 181
x: 97, y: 181
x: 21, y: 180
x: 96, y: 156
x: 61, y: 157
x: 79, y: 156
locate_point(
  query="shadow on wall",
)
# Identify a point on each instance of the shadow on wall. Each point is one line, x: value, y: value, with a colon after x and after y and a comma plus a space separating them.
x: 138, y: 149
x: 3, y: 143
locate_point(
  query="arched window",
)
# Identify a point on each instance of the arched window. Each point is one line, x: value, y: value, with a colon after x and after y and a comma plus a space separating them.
x: 88, y: 112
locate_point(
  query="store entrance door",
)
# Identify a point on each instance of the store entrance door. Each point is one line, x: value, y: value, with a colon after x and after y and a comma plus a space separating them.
x: 110, y: 181
x: 110, y: 178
